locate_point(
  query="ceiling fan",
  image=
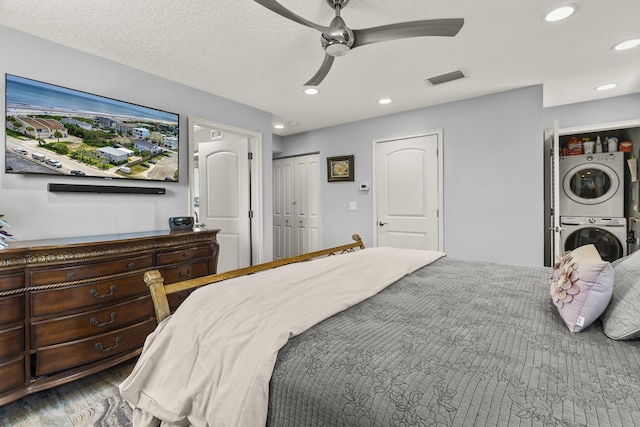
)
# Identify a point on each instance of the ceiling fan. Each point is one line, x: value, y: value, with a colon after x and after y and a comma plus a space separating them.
x: 338, y: 39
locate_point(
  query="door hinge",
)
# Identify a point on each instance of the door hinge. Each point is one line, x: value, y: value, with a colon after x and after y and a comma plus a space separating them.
x: 250, y: 214
x: 250, y: 156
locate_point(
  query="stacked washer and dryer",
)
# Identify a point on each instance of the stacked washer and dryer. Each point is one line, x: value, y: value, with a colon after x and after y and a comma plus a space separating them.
x: 592, y: 203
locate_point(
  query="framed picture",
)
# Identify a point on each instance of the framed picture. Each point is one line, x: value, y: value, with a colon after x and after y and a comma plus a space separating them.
x: 340, y: 168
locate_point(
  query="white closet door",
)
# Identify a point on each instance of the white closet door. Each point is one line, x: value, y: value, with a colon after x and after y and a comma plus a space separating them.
x: 296, y: 206
x: 314, y: 217
x: 283, y: 181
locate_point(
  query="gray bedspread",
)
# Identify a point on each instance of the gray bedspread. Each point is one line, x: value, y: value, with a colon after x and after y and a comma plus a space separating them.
x: 456, y: 344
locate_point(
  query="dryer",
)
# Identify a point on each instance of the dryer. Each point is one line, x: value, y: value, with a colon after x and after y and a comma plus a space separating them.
x: 592, y: 185
x: 609, y: 235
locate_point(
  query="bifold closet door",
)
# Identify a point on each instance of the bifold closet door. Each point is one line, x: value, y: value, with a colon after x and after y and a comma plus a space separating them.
x: 297, y: 220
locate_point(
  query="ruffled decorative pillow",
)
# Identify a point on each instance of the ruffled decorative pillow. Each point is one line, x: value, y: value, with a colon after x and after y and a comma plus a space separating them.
x: 581, y: 286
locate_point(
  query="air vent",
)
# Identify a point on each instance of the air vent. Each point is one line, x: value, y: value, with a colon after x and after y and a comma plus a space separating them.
x: 446, y: 77
x: 216, y: 134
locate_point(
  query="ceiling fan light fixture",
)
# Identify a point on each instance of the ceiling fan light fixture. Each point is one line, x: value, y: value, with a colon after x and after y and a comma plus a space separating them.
x: 311, y: 91
x: 560, y: 13
x: 337, y: 48
x: 627, y: 44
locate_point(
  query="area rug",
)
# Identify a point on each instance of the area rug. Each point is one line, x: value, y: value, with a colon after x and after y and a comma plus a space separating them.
x: 113, y: 411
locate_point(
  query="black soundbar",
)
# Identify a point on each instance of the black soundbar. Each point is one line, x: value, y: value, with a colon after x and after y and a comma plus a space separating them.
x: 77, y: 188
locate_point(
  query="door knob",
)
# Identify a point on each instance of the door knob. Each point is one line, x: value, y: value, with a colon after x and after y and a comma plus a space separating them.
x: 380, y: 223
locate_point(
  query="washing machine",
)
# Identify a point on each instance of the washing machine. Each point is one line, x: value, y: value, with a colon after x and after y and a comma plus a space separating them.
x: 609, y: 235
x: 592, y: 185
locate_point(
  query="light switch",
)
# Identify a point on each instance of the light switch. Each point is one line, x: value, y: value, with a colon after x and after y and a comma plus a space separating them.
x: 353, y: 206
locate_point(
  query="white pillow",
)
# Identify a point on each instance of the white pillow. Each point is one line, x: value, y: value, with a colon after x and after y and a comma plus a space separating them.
x: 581, y: 287
x: 621, y: 319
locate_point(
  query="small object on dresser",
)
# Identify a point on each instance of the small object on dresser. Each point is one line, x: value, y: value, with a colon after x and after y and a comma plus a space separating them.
x: 4, y: 235
x: 181, y: 223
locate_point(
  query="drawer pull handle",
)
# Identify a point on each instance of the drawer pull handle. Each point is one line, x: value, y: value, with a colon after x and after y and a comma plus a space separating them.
x: 70, y: 275
x: 94, y: 293
x: 183, y: 275
x: 105, y: 350
x: 94, y: 321
x: 131, y: 265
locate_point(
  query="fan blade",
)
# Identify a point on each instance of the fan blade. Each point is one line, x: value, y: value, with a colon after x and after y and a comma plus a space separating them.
x: 322, y: 72
x: 429, y: 27
x: 283, y: 11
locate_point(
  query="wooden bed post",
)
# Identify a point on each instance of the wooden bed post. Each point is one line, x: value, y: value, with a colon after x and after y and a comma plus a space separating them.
x: 155, y: 282
x: 358, y: 240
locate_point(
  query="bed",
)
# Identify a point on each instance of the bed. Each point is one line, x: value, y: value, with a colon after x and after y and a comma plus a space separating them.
x: 447, y: 343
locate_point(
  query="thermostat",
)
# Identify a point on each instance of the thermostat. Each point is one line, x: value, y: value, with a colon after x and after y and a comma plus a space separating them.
x: 364, y: 187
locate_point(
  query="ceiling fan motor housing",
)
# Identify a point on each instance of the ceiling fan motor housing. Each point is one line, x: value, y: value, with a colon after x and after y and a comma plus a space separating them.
x: 337, y: 3
x: 339, y: 41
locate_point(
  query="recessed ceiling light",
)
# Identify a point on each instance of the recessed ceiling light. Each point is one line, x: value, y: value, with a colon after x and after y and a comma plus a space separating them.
x: 384, y: 101
x: 293, y: 123
x: 311, y: 91
x: 606, y: 86
x: 627, y: 44
x: 278, y: 126
x: 560, y: 13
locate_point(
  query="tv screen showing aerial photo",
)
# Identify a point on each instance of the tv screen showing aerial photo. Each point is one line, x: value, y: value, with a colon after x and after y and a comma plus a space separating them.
x: 59, y: 131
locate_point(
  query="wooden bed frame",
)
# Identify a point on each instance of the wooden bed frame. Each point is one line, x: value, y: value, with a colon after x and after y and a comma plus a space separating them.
x: 159, y: 290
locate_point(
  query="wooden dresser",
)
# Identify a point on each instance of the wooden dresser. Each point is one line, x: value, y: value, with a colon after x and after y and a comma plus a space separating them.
x: 73, y: 307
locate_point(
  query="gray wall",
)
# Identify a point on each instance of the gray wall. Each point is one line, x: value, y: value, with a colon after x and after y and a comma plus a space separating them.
x: 34, y: 213
x: 609, y: 110
x: 493, y: 168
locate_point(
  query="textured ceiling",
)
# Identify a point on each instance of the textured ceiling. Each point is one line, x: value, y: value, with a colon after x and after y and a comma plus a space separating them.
x: 242, y: 51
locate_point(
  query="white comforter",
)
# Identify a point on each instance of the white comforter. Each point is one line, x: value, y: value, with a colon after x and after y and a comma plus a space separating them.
x: 210, y: 363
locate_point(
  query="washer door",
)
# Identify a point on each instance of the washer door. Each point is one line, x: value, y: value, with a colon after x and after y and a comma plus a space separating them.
x: 590, y: 184
x: 607, y: 244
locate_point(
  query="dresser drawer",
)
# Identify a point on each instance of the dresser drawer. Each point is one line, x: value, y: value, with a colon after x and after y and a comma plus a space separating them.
x: 74, y: 327
x: 85, y: 271
x: 69, y: 298
x: 185, y: 271
x: 11, y: 309
x: 68, y: 355
x: 11, y: 374
x: 174, y: 257
x: 12, y: 281
x: 177, y: 298
x: 11, y: 341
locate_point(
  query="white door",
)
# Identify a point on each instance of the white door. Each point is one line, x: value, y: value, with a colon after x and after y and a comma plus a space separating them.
x: 408, y: 192
x: 308, y: 237
x: 296, y: 206
x: 555, y: 194
x: 283, y: 208
x: 224, y: 185
x: 314, y: 219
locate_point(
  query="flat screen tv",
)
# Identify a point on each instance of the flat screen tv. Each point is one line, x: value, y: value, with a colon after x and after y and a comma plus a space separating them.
x: 54, y: 130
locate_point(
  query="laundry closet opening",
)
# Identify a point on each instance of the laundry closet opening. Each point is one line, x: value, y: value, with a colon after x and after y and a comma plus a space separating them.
x: 597, y: 190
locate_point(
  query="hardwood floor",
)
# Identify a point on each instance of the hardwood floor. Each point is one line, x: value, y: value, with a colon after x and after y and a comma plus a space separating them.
x: 91, y: 401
